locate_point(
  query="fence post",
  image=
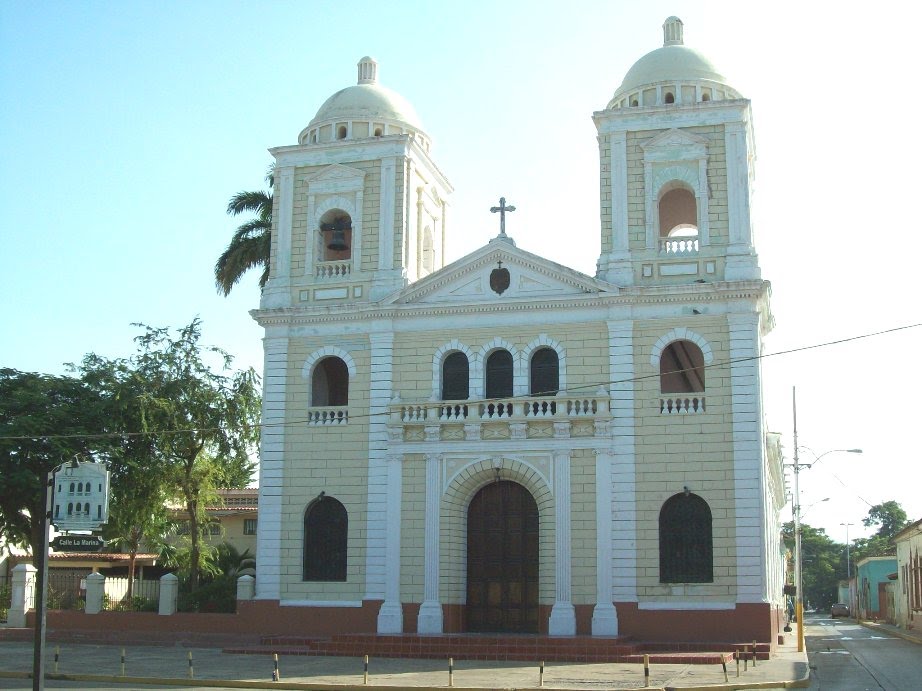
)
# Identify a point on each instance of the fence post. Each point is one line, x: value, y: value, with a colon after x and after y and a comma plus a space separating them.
x: 95, y: 587
x: 23, y: 595
x: 246, y: 588
x: 169, y: 593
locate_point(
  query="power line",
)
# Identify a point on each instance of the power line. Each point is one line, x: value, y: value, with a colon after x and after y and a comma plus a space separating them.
x: 468, y: 402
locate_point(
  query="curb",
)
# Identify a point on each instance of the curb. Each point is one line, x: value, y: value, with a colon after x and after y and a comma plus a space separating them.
x: 896, y: 632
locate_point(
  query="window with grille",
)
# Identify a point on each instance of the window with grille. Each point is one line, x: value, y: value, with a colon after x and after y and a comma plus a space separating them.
x: 544, y: 372
x: 456, y: 377
x: 249, y: 526
x: 499, y: 374
x: 686, y: 552
x: 326, y: 527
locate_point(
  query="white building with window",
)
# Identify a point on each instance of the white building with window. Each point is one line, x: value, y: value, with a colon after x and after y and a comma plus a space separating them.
x: 504, y: 444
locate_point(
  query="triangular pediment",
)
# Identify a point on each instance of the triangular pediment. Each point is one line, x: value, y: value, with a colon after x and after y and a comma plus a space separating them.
x: 337, y: 171
x: 499, y: 272
x: 672, y: 138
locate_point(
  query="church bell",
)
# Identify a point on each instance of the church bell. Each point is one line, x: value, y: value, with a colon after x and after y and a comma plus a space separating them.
x: 337, y: 237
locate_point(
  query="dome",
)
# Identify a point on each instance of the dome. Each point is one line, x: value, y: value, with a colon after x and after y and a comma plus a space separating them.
x: 674, y: 64
x: 366, y: 109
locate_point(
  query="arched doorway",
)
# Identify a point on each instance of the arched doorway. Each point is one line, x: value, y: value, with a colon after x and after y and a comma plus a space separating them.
x: 502, y: 559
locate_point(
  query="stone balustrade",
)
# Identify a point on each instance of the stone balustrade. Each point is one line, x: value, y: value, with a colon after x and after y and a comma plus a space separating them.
x: 333, y: 270
x: 522, y: 409
x: 682, y: 405
x: 328, y: 415
x: 680, y: 246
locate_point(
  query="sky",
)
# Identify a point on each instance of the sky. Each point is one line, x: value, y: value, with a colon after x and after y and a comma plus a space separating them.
x: 125, y: 127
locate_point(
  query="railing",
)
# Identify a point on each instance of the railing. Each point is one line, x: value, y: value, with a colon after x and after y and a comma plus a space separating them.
x: 681, y: 406
x: 332, y: 270
x: 331, y: 415
x: 530, y: 408
x: 679, y: 246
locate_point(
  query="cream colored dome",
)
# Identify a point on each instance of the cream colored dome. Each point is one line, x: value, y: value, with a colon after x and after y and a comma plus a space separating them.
x: 675, y: 64
x: 366, y: 109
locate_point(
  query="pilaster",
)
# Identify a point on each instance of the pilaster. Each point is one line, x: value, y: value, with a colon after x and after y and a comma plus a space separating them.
x: 563, y: 615
x: 430, y: 612
x: 381, y: 344
x: 390, y: 616
x: 604, y: 616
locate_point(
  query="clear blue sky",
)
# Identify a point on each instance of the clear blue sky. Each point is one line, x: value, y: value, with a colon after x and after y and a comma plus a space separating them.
x: 126, y: 126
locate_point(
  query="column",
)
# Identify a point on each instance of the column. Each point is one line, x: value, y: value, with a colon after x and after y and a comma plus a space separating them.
x: 390, y: 617
x: 430, y: 613
x: 95, y: 589
x: 623, y: 403
x: 388, y: 276
x: 751, y: 585
x: 563, y: 615
x: 381, y: 343
x: 271, y: 465
x: 604, y: 616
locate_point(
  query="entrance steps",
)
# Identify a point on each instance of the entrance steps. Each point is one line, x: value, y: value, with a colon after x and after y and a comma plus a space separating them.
x: 512, y: 647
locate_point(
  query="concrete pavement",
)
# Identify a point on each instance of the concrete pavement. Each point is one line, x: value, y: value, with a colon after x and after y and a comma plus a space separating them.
x: 170, y: 665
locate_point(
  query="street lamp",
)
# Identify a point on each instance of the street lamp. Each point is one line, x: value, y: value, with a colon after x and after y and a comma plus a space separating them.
x: 798, y: 571
x: 848, y: 563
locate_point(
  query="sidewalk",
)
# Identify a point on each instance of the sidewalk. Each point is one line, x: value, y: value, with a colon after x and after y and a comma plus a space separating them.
x: 211, y: 667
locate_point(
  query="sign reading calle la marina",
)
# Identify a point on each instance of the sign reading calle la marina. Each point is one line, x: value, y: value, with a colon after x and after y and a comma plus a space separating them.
x: 78, y: 543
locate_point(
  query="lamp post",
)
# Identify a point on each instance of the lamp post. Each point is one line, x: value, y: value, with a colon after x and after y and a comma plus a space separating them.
x: 798, y: 570
x: 848, y: 564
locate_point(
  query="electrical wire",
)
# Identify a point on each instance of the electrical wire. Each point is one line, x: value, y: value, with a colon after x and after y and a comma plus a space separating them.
x: 468, y: 402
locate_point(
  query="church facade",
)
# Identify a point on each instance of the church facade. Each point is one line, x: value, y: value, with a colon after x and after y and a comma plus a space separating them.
x: 501, y: 443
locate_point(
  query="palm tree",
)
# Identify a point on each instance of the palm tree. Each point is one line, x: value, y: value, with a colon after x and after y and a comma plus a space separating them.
x: 249, y: 246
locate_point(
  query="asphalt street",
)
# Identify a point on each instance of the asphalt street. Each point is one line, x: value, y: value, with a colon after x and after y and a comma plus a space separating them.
x: 846, y: 656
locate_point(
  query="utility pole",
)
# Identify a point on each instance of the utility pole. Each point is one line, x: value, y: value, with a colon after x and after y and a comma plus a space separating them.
x: 798, y: 570
x: 848, y: 563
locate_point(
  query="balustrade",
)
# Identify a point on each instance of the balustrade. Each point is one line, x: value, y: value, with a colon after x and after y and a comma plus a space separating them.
x: 334, y: 415
x: 332, y: 270
x: 679, y: 246
x: 681, y: 406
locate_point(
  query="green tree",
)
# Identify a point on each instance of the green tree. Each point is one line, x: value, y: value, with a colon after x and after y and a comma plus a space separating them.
x: 44, y: 421
x: 251, y: 242
x: 203, y: 425
x: 889, y: 515
x: 823, y: 564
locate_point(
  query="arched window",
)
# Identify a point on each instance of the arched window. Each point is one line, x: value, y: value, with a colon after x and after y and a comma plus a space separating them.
x: 669, y: 97
x: 70, y: 509
x: 330, y: 383
x: 678, y: 213
x: 686, y: 553
x: 544, y: 375
x: 335, y: 235
x: 681, y: 368
x: 456, y: 377
x: 326, y: 533
x: 428, y: 258
x: 499, y: 374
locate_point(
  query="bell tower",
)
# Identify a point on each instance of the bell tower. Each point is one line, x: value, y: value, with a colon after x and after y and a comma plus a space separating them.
x: 677, y: 152
x: 360, y: 206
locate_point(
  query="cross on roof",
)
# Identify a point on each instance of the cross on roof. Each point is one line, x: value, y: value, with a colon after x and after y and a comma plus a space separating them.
x: 502, y: 209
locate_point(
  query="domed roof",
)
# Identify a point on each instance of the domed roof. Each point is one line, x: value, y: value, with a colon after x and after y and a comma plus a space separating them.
x: 674, y: 62
x: 368, y: 100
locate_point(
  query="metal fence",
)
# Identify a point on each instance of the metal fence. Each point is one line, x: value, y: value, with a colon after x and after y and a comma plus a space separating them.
x: 145, y: 595
x: 66, y: 589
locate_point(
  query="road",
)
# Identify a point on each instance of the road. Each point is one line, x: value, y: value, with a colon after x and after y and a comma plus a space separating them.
x: 846, y: 656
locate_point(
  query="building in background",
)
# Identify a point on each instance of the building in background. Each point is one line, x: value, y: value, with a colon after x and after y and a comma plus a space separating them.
x: 908, y: 590
x: 504, y: 443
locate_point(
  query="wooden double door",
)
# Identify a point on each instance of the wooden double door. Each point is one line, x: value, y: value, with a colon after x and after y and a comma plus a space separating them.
x: 502, y: 560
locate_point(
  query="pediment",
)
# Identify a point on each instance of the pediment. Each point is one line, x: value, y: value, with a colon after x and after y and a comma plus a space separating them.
x: 674, y: 145
x: 336, y: 178
x: 500, y: 272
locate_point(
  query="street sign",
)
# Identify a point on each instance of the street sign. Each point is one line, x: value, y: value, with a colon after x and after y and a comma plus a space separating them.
x: 78, y: 543
x: 81, y: 496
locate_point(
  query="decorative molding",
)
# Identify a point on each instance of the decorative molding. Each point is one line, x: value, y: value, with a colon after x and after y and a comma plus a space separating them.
x: 454, y: 345
x: 680, y: 334
x: 327, y: 351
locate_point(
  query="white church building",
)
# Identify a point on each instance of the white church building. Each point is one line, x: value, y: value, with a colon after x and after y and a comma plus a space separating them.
x: 502, y: 443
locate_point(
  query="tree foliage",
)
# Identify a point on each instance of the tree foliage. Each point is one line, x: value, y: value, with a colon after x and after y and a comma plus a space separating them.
x: 44, y: 421
x: 890, y: 516
x: 823, y: 564
x: 251, y: 243
x: 203, y: 425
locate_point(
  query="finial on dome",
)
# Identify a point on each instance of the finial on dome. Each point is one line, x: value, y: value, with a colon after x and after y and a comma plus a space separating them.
x: 368, y: 70
x: 672, y: 32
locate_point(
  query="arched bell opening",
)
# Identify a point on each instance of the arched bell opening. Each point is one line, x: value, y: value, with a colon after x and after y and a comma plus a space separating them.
x: 336, y: 235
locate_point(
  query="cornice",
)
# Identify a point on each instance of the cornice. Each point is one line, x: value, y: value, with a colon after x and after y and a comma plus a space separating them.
x: 750, y: 291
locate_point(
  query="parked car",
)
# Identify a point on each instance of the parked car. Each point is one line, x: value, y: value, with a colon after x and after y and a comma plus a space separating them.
x: 840, y: 609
